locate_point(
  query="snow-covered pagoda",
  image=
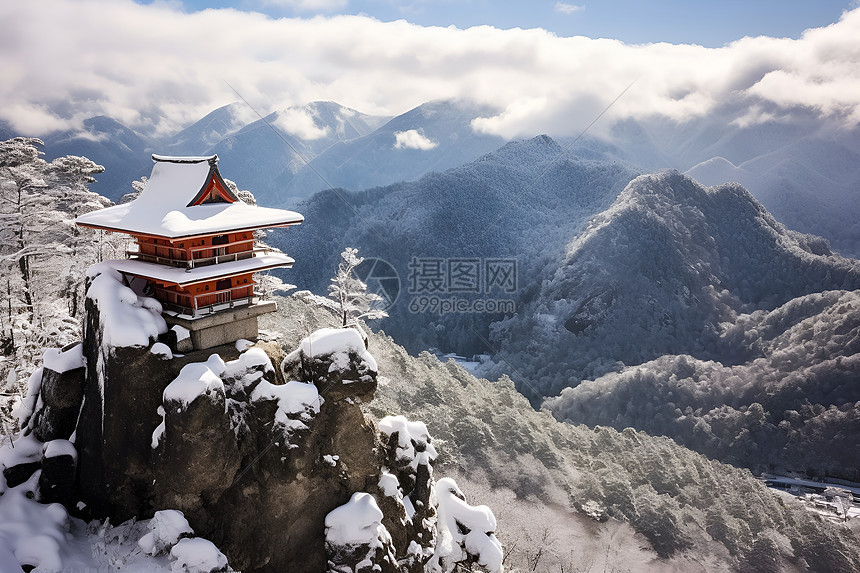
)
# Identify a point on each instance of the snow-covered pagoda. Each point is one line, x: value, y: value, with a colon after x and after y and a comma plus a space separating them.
x: 195, y: 248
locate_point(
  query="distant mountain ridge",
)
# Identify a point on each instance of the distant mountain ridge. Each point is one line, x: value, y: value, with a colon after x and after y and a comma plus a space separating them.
x: 124, y: 153
x: 660, y: 272
x: 432, y: 137
x: 271, y: 155
x: 807, y: 175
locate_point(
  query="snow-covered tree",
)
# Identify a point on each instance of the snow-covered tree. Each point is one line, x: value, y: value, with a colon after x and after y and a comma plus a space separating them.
x: 42, y: 252
x: 69, y: 180
x: 22, y: 175
x: 136, y: 187
x: 348, y: 296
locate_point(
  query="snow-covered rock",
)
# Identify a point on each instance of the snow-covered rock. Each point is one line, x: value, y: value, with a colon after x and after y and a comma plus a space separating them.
x: 60, y: 391
x: 126, y: 318
x: 166, y: 528
x: 197, y: 555
x: 336, y: 360
x: 356, y: 541
x: 413, y: 440
x: 466, y: 533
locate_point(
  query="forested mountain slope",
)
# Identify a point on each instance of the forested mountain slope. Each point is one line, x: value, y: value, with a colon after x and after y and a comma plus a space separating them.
x: 559, y: 488
x: 520, y: 203
x: 668, y: 269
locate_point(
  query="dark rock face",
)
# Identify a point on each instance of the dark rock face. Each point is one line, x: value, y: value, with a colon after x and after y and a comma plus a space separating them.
x: 62, y: 394
x: 122, y: 393
x: 57, y: 480
x: 272, y: 480
x: 16, y: 475
x: 204, y: 458
x: 292, y: 489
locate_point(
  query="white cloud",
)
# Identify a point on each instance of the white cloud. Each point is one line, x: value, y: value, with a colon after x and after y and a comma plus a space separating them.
x: 308, y: 5
x: 413, y: 139
x: 565, y: 8
x: 156, y: 68
x: 300, y: 122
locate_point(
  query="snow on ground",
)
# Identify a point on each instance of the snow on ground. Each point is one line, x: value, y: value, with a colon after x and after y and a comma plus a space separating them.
x: 31, y: 533
x: 45, y: 536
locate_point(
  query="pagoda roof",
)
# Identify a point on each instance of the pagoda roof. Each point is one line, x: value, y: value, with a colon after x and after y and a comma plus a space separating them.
x: 185, y: 277
x: 186, y: 197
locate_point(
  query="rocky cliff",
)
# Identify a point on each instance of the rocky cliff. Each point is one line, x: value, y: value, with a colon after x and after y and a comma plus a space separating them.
x: 273, y: 461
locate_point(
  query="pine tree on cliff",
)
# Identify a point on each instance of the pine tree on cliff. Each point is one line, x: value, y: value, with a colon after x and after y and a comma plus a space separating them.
x: 348, y: 296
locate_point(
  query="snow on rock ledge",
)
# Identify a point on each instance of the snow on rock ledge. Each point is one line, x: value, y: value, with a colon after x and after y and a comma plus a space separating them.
x: 355, y: 538
x: 196, y: 379
x: 464, y: 532
x: 165, y: 529
x: 336, y: 360
x: 196, y: 555
x: 413, y: 440
x: 126, y: 319
x: 297, y: 402
x: 338, y: 342
x: 170, y: 532
x: 65, y: 359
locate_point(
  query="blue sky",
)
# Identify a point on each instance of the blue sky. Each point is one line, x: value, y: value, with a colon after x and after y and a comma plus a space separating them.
x: 709, y: 23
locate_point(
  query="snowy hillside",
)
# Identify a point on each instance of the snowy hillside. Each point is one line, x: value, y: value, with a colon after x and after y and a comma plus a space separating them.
x: 790, y: 406
x: 521, y: 203
x: 805, y: 174
x: 571, y: 496
x: 665, y: 270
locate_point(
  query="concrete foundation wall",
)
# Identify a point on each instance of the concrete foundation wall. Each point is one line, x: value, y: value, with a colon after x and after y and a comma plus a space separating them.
x: 224, y: 326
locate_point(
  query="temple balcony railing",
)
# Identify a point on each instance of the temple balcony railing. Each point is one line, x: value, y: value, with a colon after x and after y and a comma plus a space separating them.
x: 197, y: 262
x: 204, y: 303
